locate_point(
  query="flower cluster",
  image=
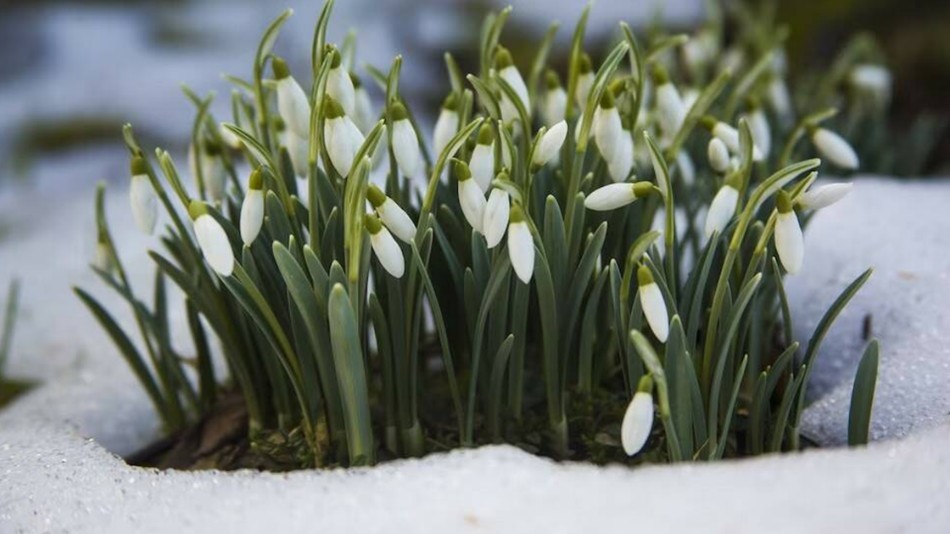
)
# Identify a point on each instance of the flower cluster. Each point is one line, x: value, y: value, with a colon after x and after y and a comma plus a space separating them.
x: 331, y: 278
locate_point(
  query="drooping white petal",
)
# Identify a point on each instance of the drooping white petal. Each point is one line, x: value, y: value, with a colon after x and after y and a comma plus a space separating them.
x: 521, y: 250
x: 388, y: 252
x: 607, y: 130
x: 340, y: 87
x: 102, y: 258
x: 654, y: 309
x: 824, y: 196
x: 761, y: 133
x: 610, y: 196
x: 637, y: 423
x: 406, y: 149
x: 721, y: 210
x: 789, y: 242
x: 686, y: 168
x: 299, y: 151
x: 252, y: 215
x: 214, y: 245
x: 718, y: 155
x: 554, y: 105
x: 363, y: 110
x: 873, y: 79
x: 728, y: 135
x: 670, y: 107
x: 550, y: 144
x: 585, y: 82
x: 621, y: 164
x: 512, y: 76
x: 446, y: 127
x: 343, y: 140
x: 144, y: 203
x: 496, y: 216
x: 397, y: 220
x: 482, y: 165
x: 778, y: 95
x: 472, y: 200
x: 834, y: 148
x: 215, y: 177
x: 230, y: 138
x: 293, y: 106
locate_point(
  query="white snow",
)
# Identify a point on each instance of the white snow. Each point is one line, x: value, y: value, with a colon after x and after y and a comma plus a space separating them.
x: 56, y: 474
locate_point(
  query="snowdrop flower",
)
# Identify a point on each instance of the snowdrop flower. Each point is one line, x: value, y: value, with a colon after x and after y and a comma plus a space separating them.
x: 520, y: 244
x: 613, y: 196
x: 406, y: 143
x: 342, y: 137
x: 102, y: 258
x: 554, y: 102
x: 585, y: 80
x: 212, y: 240
x: 722, y: 208
x: 298, y: 149
x: 471, y: 196
x: 671, y: 111
x: 728, y: 135
x: 654, y: 308
x: 362, y: 107
x: 778, y: 96
x: 685, y: 165
x: 292, y: 102
x: 789, y: 242
x: 447, y: 125
x: 509, y: 72
x: 230, y: 138
x: 607, y: 125
x: 834, y: 148
x: 690, y: 96
x: 496, y: 215
x: 824, y: 196
x: 339, y: 84
x: 213, y: 171
x: 482, y: 162
x: 142, y: 197
x: 391, y: 214
x: 718, y: 155
x: 874, y: 80
x: 621, y: 164
x: 638, y: 419
x: 385, y: 247
x: 252, y: 210
x: 761, y: 132
x: 549, y: 145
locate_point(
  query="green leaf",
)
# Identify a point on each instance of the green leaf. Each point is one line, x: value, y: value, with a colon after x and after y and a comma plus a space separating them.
x: 495, y: 386
x: 862, y: 396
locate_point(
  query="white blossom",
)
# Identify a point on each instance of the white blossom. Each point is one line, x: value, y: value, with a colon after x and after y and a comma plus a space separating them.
x: 686, y: 168
x: 496, y: 216
x: 230, y: 138
x: 761, y: 133
x: 824, y: 196
x: 482, y: 162
x: 654, y: 307
x: 406, y: 144
x: 341, y: 135
x: 789, y: 242
x: 385, y: 247
x: 362, y: 107
x: 718, y: 155
x: 671, y: 111
x: 722, y: 209
x: 554, y: 101
x: 213, y: 241
x: 509, y: 72
x: 779, y: 97
x: 298, y: 149
x: 871, y: 79
x: 637, y: 423
x: 446, y: 125
x: 340, y: 85
x: 550, y: 144
x: 520, y: 245
x: 613, y: 196
x: 620, y: 165
x: 471, y: 197
x: 252, y: 209
x: 834, y: 148
x: 292, y: 102
x: 142, y: 197
x: 391, y: 214
x: 607, y: 126
x: 585, y: 81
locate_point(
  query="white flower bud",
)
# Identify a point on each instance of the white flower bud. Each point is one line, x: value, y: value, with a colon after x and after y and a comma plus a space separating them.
x: 482, y: 162
x: 252, y: 209
x: 471, y: 197
x: 213, y: 241
x: 872, y: 79
x: 824, y: 196
x: 585, y: 81
x: 342, y: 137
x: 721, y: 210
x: 607, y: 126
x: 550, y: 144
x: 654, y: 307
x: 761, y: 133
x: 298, y: 149
x: 520, y: 245
x: 362, y: 107
x: 778, y: 96
x: 621, y: 164
x: 385, y: 247
x: 340, y: 85
x: 671, y: 111
x: 789, y: 242
x: 391, y: 214
x: 509, y: 72
x: 447, y: 125
x: 406, y: 144
x: 230, y: 138
x: 142, y: 197
x: 215, y: 176
x: 834, y: 148
x: 637, y: 423
x: 292, y: 102
x: 613, y: 196
x: 686, y: 168
x: 718, y: 155
x: 554, y: 102
x: 496, y: 216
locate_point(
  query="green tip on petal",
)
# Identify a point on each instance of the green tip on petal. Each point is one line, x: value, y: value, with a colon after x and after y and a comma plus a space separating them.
x: 617, y: 87
x: 646, y: 384
x: 460, y: 170
x: 753, y: 102
x: 375, y: 196
x: 334, y: 55
x: 642, y: 189
x: 644, y: 276
x: 398, y: 111
x: 356, y: 80
x: 196, y: 209
x: 138, y: 166
x: 551, y: 80
x: 256, y: 181
x: 516, y: 214
x: 607, y: 100
x: 709, y: 122
x: 332, y: 109
x: 660, y: 76
x: 279, y: 124
x: 212, y: 148
x: 503, y: 58
x: 486, y: 135
x: 280, y: 69
x: 451, y: 102
x: 783, y: 202
x: 372, y: 224
x: 585, y: 65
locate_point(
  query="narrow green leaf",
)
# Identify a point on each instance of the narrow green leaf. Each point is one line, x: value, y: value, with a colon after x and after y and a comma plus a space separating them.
x: 862, y: 396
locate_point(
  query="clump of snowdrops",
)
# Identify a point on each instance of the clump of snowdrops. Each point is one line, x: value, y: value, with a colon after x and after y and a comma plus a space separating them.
x: 579, y: 261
